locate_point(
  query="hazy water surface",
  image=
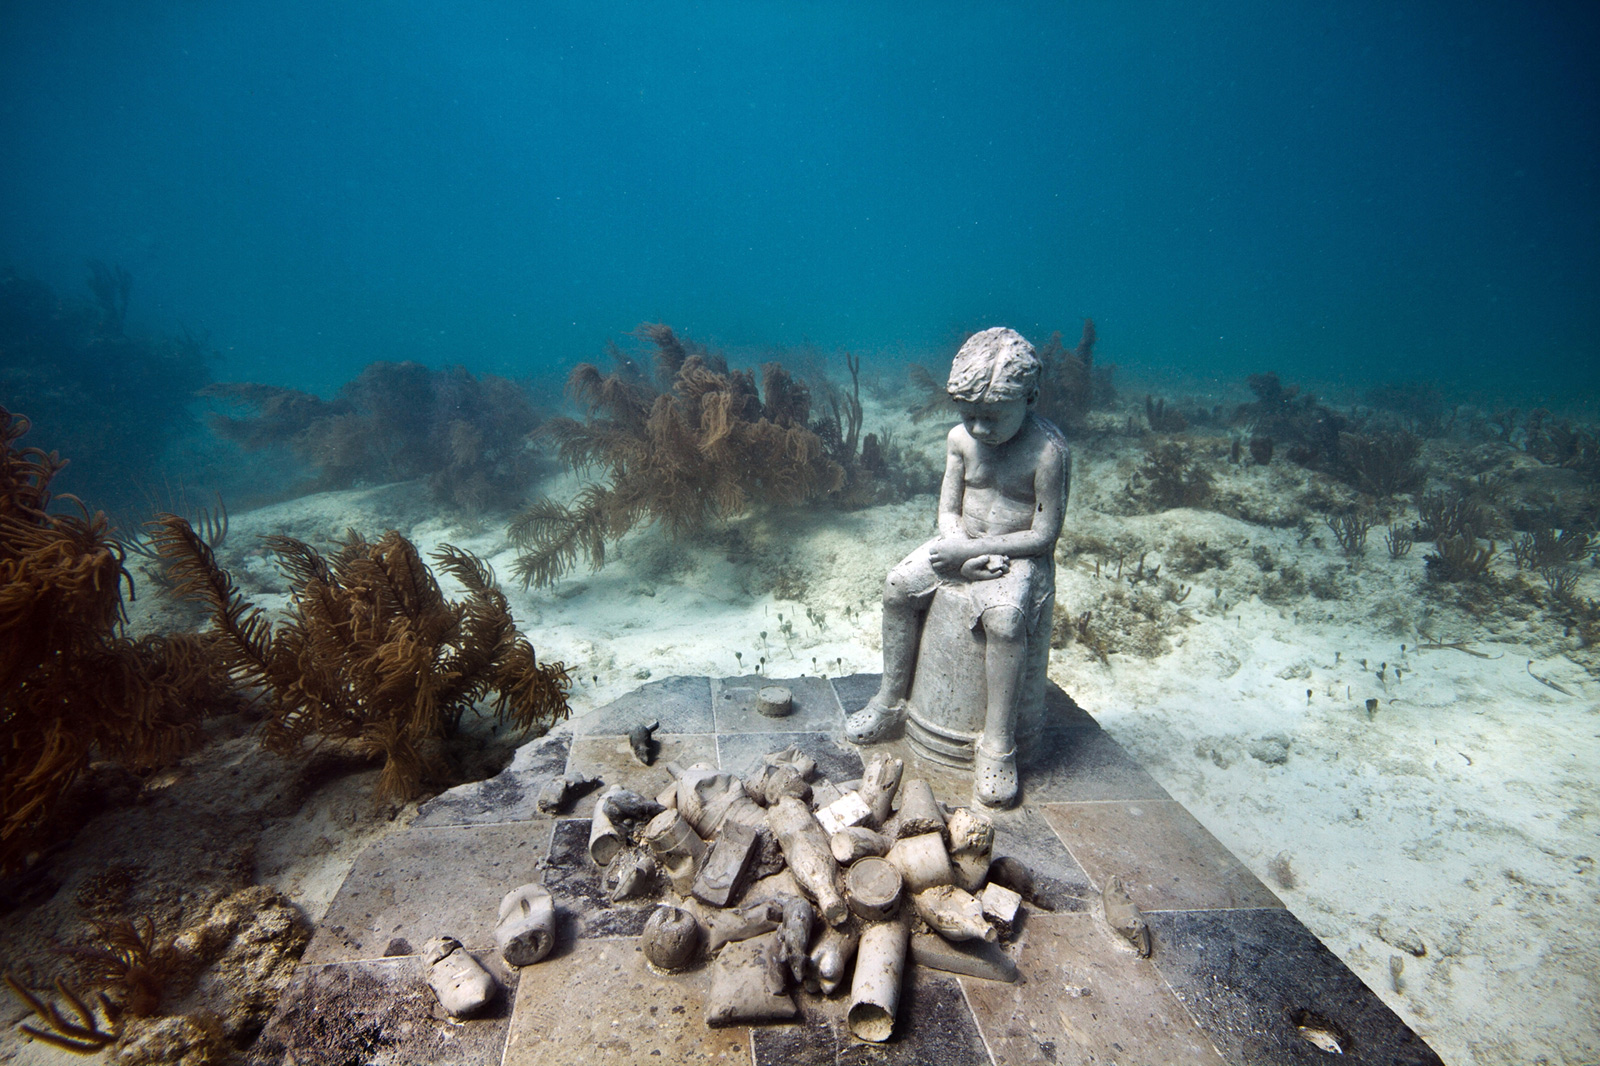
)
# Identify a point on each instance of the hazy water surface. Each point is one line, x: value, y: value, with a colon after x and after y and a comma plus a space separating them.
x: 1351, y: 191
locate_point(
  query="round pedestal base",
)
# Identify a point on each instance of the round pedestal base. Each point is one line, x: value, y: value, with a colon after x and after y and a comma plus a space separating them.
x: 949, y: 697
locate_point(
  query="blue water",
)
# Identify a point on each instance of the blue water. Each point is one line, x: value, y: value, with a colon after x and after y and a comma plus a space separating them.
x: 1341, y: 192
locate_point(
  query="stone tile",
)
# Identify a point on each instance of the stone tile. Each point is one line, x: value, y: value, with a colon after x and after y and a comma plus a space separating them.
x: 1067, y: 765
x: 612, y: 759
x: 1061, y: 711
x: 816, y: 708
x: 424, y: 883
x: 1060, y: 884
x: 1166, y: 859
x: 680, y: 704
x: 545, y: 757
x: 932, y: 1025
x: 1082, y: 999
x: 837, y: 760
x: 575, y: 881
x: 854, y: 691
x: 510, y: 796
x: 600, y: 1004
x: 381, y: 1013
x: 1249, y: 976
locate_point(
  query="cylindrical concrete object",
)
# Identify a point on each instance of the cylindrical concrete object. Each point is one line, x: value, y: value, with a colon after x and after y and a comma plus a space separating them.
x: 875, y: 991
x: 872, y: 886
x: 677, y: 847
x: 459, y: 980
x: 922, y: 861
x: 831, y: 957
x: 919, y: 811
x: 953, y: 913
x: 879, y: 785
x: 605, y: 840
x: 774, y: 701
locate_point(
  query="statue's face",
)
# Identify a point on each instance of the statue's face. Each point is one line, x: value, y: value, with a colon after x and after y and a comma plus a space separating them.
x: 993, y: 422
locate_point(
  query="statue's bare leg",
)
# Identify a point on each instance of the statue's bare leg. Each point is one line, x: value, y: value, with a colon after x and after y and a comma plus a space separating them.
x: 902, y: 619
x: 1005, y: 656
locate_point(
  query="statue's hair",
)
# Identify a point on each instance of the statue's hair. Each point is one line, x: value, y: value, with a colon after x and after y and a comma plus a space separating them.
x: 994, y: 364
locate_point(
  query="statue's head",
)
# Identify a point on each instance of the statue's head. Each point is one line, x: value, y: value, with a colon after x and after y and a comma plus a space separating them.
x: 995, y: 365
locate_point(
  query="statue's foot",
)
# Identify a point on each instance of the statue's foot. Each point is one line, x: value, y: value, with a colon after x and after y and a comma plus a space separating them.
x: 995, y: 778
x: 875, y: 721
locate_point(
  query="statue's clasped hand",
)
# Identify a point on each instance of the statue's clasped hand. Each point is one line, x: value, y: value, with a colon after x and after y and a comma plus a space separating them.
x: 951, y: 556
x: 985, y: 567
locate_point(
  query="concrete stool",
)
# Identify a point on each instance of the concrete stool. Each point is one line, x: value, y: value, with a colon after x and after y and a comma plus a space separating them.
x: 949, y: 700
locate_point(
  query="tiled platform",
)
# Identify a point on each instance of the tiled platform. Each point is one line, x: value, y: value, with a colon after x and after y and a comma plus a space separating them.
x: 1232, y: 977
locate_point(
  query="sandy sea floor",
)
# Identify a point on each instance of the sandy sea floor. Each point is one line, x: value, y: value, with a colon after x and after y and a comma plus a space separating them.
x: 1442, y: 843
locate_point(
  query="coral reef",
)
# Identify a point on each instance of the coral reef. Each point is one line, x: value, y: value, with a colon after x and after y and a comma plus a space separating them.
x: 195, y: 997
x: 1069, y: 382
x: 1562, y: 444
x: 1350, y: 530
x: 397, y: 421
x: 1163, y: 419
x: 88, y: 1029
x: 1450, y: 514
x: 372, y: 656
x: 70, y: 686
x: 126, y: 964
x: 1291, y: 418
x: 699, y: 442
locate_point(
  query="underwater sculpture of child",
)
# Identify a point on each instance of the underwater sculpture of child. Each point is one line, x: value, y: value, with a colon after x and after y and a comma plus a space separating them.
x: 1006, y: 479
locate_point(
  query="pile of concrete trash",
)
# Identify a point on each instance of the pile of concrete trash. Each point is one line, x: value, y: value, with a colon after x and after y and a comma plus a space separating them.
x: 788, y: 880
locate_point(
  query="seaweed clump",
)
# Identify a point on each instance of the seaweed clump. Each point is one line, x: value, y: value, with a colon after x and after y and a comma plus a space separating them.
x: 1170, y: 477
x: 1381, y: 464
x: 467, y: 436
x: 372, y: 657
x: 71, y: 687
x: 692, y: 443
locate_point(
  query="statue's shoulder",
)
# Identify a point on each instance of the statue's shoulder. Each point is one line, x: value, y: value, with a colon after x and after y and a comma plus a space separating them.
x: 1053, y: 437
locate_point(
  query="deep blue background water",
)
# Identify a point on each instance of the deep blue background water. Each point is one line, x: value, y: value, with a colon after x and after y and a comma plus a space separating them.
x: 1341, y: 192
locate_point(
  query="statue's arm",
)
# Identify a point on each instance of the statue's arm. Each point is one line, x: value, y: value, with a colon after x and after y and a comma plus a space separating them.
x: 1052, y: 484
x: 953, y: 487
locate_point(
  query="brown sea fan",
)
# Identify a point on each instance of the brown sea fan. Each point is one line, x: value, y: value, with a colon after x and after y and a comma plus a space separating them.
x: 372, y: 655
x: 70, y: 685
x: 708, y: 446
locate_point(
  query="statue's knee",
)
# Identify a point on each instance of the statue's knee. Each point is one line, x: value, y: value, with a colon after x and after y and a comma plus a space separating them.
x: 1005, y: 623
x: 896, y: 593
